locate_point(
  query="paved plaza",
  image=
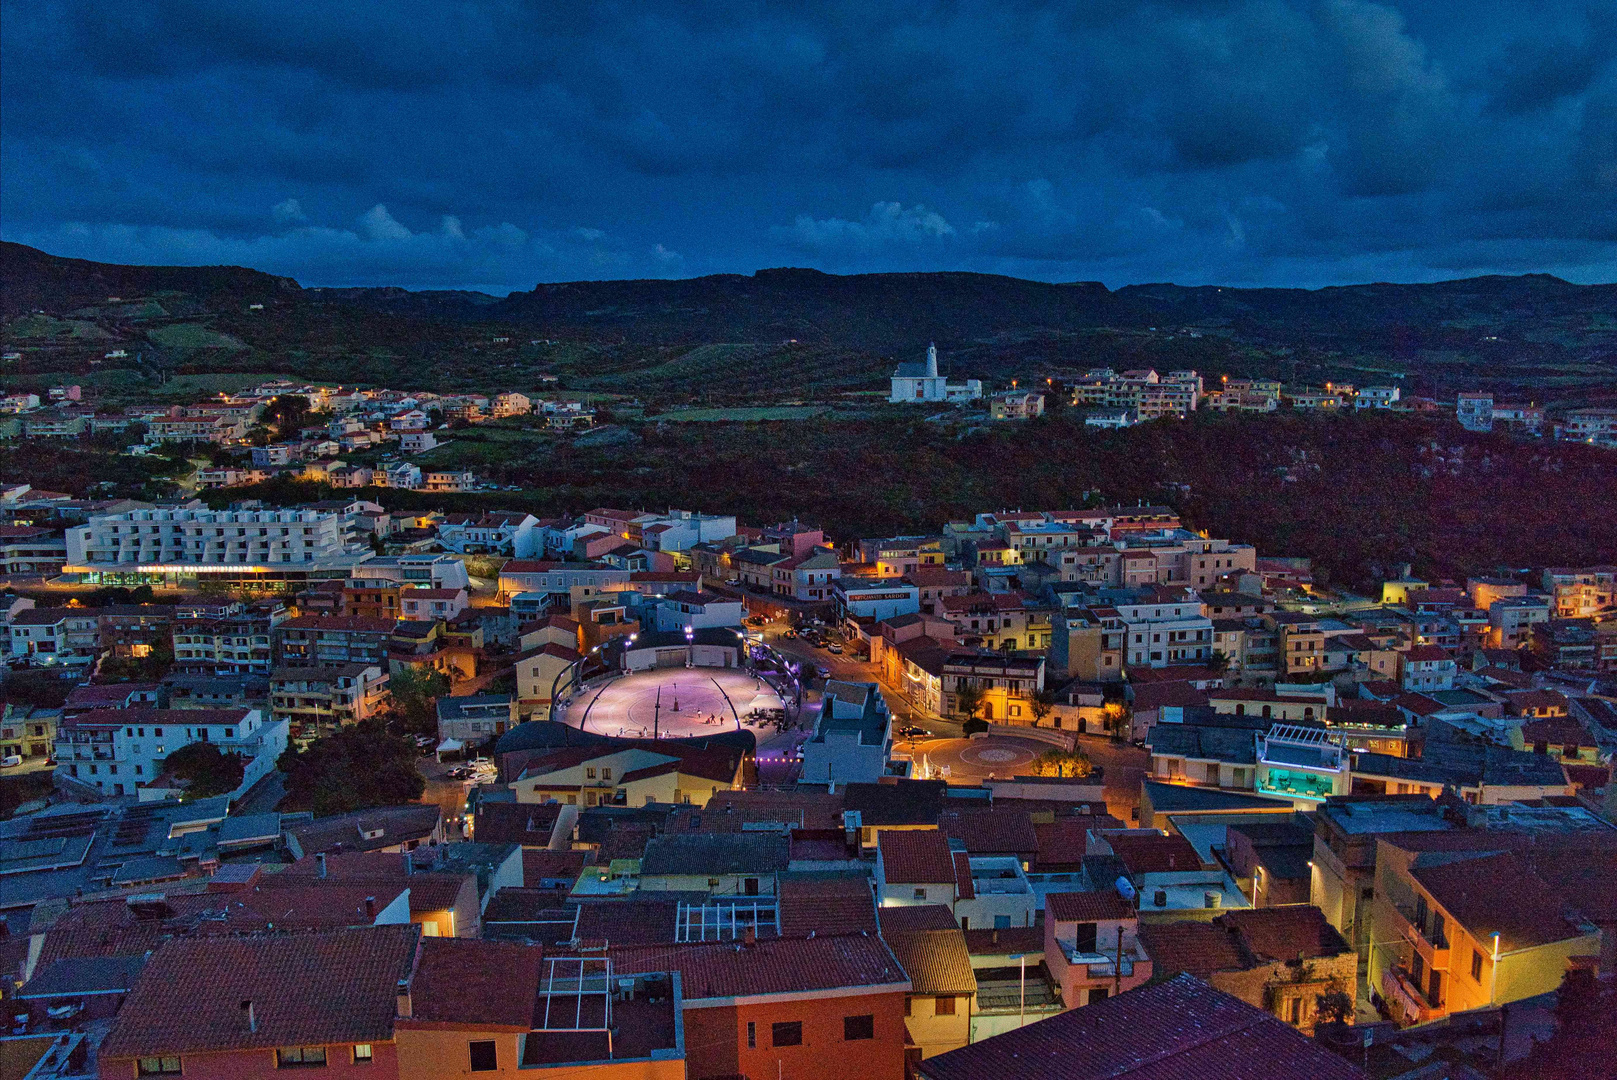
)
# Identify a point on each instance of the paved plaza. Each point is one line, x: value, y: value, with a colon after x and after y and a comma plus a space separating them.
x: 678, y: 703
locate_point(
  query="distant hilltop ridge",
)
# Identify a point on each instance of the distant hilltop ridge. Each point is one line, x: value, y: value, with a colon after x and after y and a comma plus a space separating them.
x: 874, y: 311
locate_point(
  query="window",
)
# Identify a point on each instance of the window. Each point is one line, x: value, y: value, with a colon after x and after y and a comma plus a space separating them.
x: 1098, y: 993
x: 943, y: 1006
x: 606, y: 774
x: 300, y: 1057
x: 920, y: 894
x: 363, y: 1054
x: 787, y: 1034
x: 1294, y: 1010
x: 909, y: 1006
x: 589, y: 773
x: 157, y: 1066
x: 752, y: 1035
x: 483, y: 1057
x: 1476, y: 966
x: 858, y: 1027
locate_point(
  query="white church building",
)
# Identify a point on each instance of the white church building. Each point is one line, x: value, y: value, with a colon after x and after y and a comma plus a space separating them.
x: 920, y: 381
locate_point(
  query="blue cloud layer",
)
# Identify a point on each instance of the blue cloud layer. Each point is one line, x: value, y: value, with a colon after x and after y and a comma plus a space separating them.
x: 493, y: 145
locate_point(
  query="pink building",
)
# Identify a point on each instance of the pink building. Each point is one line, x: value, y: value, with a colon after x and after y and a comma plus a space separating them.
x: 1092, y: 946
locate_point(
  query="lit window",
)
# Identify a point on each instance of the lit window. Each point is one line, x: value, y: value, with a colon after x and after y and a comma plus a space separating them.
x: 363, y: 1054
x: 300, y: 1057
x: 157, y: 1066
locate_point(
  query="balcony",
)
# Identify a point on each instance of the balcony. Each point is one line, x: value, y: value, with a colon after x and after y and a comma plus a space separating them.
x: 1434, y: 949
x: 1400, y: 990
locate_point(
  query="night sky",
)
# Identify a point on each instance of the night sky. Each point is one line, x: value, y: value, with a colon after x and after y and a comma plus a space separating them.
x: 495, y: 145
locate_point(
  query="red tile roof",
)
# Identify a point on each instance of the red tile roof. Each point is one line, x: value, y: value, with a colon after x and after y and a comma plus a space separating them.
x: 991, y: 832
x: 936, y: 960
x: 1087, y: 906
x: 1199, y: 948
x: 963, y: 887
x: 826, y: 906
x: 481, y: 983
x: 1152, y: 854
x: 306, y: 989
x: 1012, y: 939
x: 1179, y: 1030
x: 1500, y: 894
x: 770, y: 966
x: 898, y: 920
x: 1285, y: 932
x: 915, y: 856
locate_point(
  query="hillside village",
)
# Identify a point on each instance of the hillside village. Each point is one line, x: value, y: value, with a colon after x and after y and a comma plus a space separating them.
x: 923, y: 793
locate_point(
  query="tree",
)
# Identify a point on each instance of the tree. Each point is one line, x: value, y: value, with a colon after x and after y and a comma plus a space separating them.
x: 968, y: 699
x: 1219, y: 661
x: 1042, y: 705
x: 207, y: 770
x: 415, y: 693
x: 1335, y: 1007
x: 354, y: 768
x: 287, y: 413
x: 1064, y: 763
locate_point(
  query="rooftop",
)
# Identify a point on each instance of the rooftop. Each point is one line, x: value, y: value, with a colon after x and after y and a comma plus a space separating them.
x: 1182, y: 1029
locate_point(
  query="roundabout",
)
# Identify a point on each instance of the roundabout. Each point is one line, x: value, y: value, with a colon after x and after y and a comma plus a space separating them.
x: 971, y: 761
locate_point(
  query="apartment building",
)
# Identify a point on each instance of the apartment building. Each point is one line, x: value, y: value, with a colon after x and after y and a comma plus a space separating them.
x: 328, y: 640
x: 232, y: 645
x: 116, y: 752
x: 29, y: 551
x: 1577, y: 593
x: 170, y: 544
x: 1163, y: 626
x: 320, y: 698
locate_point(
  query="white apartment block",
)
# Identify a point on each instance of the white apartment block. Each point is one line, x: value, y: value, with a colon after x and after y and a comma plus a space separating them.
x: 118, y: 751
x: 171, y: 541
x: 1167, y: 628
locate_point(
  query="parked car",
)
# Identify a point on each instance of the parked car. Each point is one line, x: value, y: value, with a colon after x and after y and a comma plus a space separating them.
x: 823, y: 672
x: 911, y: 731
x: 10, y: 761
x: 788, y: 633
x: 835, y: 647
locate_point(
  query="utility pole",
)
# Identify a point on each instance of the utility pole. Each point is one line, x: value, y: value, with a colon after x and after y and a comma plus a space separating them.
x: 656, y: 714
x: 1117, y: 969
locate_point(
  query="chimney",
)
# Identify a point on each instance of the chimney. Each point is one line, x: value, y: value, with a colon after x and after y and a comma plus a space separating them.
x: 370, y: 907
x: 252, y: 1018
x: 409, y: 863
x: 403, y: 999
x: 995, y: 938
x: 749, y: 937
x: 320, y: 860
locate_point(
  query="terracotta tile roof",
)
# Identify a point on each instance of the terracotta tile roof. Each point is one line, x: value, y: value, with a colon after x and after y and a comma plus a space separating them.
x: 915, y: 856
x: 1426, y: 654
x: 770, y: 966
x: 1152, y: 854
x: 1555, y: 731
x: 1196, y: 948
x: 963, y: 887
x: 637, y: 921
x: 1179, y: 1030
x: 1087, y: 906
x: 936, y: 960
x: 798, y: 809
x: 908, y: 917
x: 1062, y: 841
x: 991, y: 832
x: 398, y: 824
x: 480, y: 983
x: 1014, y: 939
x: 1285, y: 932
x: 337, y: 987
x: 1502, y: 894
x: 826, y: 906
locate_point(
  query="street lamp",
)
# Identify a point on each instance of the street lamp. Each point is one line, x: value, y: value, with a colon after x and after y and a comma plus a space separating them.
x: 1493, y: 974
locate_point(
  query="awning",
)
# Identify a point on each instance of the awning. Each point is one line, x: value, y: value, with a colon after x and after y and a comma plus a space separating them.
x: 450, y: 746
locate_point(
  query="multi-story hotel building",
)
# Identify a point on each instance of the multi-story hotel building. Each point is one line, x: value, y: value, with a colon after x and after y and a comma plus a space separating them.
x: 169, y: 546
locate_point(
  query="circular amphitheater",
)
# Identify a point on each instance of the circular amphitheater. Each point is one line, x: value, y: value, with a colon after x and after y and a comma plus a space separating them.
x: 675, y: 703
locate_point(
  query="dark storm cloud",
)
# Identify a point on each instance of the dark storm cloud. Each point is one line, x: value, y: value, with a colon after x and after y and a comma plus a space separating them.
x: 493, y: 145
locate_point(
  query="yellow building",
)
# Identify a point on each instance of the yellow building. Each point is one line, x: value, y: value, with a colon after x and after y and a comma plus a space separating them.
x: 1454, y: 934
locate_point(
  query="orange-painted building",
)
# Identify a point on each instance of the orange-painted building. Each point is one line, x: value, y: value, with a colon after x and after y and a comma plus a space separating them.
x: 818, y: 1008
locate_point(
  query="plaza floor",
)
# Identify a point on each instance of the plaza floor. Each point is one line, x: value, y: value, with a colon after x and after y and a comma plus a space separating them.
x: 675, y: 703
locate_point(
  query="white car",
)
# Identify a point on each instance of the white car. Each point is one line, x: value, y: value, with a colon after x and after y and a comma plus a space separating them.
x: 10, y: 761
